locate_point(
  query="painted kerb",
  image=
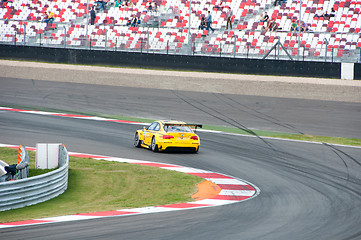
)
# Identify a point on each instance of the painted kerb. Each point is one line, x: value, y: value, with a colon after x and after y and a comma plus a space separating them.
x: 33, y: 190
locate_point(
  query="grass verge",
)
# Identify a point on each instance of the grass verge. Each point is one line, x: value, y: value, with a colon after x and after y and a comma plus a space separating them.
x: 302, y: 137
x: 103, y: 185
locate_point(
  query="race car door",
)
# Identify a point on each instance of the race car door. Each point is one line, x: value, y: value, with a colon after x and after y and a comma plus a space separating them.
x: 150, y: 131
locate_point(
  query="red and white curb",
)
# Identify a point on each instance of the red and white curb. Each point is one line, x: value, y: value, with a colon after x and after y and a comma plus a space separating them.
x: 68, y: 115
x: 233, y: 190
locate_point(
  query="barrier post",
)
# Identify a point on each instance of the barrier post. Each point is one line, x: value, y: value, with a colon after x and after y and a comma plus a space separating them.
x: 24, y: 33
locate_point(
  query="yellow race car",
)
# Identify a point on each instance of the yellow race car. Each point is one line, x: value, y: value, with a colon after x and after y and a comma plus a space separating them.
x: 168, y: 134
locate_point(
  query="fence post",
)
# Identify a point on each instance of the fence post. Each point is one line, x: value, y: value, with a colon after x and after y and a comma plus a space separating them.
x: 141, y: 46
x: 148, y: 40
x: 220, y: 49
x: 24, y: 34
x: 303, y: 54
x: 64, y: 36
x: 326, y: 42
x: 15, y: 39
x: 234, y: 47
x: 167, y: 46
x: 106, y: 37
x: 40, y: 40
x: 116, y: 44
x: 194, y: 47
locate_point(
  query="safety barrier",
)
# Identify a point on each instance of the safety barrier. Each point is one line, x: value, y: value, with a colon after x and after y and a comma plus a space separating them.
x: 33, y: 190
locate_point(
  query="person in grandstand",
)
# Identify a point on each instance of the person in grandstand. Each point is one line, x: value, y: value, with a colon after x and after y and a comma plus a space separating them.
x: 135, y: 21
x: 150, y: 7
x: 209, y: 21
x: 294, y: 26
x: 267, y: 27
x: 320, y: 13
x: 303, y: 26
x: 92, y: 16
x: 203, y: 24
x: 273, y: 26
x: 264, y: 18
x: 331, y: 14
x: 229, y: 18
x: 281, y: 1
x: 49, y: 18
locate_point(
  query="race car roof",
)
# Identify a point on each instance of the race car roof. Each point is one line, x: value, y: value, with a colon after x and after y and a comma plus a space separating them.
x: 171, y: 122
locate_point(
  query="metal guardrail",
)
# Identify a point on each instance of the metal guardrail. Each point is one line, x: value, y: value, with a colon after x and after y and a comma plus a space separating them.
x: 33, y: 190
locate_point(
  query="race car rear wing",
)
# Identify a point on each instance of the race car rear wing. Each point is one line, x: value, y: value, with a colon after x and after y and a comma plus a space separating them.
x: 195, y: 126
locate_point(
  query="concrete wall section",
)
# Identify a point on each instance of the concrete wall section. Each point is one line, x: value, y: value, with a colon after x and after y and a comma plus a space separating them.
x: 174, y: 62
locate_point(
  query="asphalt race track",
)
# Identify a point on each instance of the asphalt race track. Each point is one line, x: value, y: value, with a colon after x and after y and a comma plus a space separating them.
x: 308, y: 191
x: 325, y: 118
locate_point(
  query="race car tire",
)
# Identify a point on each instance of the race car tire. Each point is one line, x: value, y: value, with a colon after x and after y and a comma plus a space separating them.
x: 136, y: 140
x: 196, y: 150
x: 154, y: 145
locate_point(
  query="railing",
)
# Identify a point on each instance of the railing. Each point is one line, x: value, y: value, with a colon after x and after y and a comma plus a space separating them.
x: 325, y: 52
x: 33, y: 190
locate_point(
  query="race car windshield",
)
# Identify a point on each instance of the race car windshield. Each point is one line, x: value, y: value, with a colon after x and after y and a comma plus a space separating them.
x: 175, y: 128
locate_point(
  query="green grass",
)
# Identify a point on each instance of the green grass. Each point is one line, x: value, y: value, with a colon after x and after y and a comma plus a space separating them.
x: 303, y: 137
x: 99, y: 185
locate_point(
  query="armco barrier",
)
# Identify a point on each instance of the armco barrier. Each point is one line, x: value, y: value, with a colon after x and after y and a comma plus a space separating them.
x: 33, y: 190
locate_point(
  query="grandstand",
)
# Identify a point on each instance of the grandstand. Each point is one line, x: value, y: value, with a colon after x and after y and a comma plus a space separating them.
x: 168, y: 30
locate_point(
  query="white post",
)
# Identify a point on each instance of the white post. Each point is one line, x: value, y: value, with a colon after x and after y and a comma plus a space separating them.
x: 347, y: 71
x: 189, y: 28
x: 87, y: 22
x: 299, y: 32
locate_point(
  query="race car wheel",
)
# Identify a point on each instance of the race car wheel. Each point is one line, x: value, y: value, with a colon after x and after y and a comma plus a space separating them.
x: 136, y: 140
x: 196, y: 150
x: 154, y: 145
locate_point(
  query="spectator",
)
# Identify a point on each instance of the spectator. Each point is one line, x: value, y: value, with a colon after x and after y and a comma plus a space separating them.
x: 101, y: 4
x: 92, y: 16
x: 150, y: 7
x: 50, y: 18
x: 332, y: 14
x: 229, y: 18
x: 279, y: 2
x: 267, y: 27
x: 10, y: 173
x: 320, y: 13
x: 265, y: 18
x: 273, y: 26
x: 209, y: 21
x: 303, y: 26
x: 134, y: 23
x: 129, y: 22
x: 118, y: 3
x: 220, y: 6
x: 294, y: 26
x: 203, y: 24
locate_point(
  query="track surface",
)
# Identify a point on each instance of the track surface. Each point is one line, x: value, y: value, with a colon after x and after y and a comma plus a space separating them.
x: 340, y: 119
x: 308, y: 191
